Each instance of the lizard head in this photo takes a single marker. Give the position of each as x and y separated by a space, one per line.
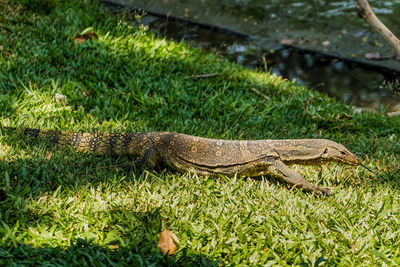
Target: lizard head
338 153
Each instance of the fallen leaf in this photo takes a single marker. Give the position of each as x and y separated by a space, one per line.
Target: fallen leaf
287 41
84 37
168 242
86 93
375 55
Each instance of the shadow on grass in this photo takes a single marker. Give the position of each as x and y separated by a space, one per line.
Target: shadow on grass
48 172
84 253
141 251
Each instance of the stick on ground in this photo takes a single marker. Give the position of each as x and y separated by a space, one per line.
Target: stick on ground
259 93
201 76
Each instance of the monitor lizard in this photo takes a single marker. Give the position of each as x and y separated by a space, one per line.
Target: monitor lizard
187 153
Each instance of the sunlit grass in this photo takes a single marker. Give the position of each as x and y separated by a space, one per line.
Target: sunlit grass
67 208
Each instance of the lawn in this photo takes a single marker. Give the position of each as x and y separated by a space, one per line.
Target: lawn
68 208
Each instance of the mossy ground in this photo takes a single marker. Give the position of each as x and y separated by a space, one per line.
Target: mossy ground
67 208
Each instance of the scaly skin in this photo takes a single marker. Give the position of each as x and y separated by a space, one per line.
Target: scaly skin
206 156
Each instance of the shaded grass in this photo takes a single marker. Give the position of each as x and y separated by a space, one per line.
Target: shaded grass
64 208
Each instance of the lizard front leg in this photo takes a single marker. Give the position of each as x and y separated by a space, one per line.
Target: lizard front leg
280 170
149 158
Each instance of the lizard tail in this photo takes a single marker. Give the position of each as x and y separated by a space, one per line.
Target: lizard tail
114 144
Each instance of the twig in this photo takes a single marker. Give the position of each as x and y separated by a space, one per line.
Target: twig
259 93
201 76
365 11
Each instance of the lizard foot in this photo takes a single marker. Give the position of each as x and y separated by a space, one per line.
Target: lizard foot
324 191
280 170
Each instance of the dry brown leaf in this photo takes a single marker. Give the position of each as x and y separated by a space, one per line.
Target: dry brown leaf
376 55
84 37
168 242
326 43
287 41
86 93
79 39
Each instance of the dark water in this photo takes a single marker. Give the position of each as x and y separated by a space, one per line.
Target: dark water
346 81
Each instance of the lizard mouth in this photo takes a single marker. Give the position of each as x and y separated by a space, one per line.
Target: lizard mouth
352 161
329 159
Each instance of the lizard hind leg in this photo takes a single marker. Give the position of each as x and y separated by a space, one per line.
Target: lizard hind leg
280 170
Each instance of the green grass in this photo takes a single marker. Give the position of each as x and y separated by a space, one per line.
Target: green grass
67 208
